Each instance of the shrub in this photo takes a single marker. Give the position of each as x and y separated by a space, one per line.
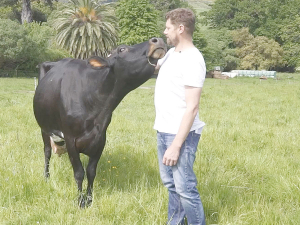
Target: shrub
25 46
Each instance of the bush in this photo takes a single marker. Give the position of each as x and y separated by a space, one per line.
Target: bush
12 43
25 46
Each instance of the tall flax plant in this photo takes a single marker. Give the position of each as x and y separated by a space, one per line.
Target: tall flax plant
86 28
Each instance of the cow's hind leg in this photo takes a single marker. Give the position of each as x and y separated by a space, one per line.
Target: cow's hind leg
47 152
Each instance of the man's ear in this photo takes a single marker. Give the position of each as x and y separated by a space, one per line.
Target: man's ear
181 28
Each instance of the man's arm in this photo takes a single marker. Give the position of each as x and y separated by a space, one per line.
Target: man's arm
192 97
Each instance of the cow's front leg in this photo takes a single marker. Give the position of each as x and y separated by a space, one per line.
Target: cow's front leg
78 171
79 176
47 152
91 174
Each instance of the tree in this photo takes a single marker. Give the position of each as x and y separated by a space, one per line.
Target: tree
222 14
41 45
199 39
48 2
137 20
257 52
11 42
26 15
39 11
25 46
262 17
291 38
219 50
167 5
268 18
86 28
4 3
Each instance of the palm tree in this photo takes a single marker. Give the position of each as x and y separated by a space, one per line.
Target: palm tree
86 28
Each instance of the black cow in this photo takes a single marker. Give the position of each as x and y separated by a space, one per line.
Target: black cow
74 101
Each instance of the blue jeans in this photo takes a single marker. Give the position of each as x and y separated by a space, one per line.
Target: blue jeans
184 198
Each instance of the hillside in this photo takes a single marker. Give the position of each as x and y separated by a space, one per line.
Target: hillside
201 5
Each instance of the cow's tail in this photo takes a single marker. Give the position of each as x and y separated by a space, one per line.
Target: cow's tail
44 68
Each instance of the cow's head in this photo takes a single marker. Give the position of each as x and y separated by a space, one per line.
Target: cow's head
134 63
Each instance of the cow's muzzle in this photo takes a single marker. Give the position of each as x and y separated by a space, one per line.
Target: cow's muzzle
157 48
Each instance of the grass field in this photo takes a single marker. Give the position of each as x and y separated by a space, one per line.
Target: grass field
247 164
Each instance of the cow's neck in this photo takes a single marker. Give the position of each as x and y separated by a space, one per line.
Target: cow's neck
102 120
119 91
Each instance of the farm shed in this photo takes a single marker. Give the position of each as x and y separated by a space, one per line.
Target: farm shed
255 73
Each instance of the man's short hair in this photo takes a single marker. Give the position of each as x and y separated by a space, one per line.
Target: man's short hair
182 16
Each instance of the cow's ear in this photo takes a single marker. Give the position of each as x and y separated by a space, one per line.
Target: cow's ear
97 62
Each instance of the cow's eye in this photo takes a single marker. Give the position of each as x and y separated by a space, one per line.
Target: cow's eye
122 49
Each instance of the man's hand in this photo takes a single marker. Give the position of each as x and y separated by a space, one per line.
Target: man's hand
171 156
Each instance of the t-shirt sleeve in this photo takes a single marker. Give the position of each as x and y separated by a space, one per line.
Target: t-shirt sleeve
194 71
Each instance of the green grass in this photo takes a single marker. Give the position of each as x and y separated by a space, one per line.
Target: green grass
247 164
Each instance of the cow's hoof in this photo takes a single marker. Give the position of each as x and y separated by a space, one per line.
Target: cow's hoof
81 201
89 200
46 175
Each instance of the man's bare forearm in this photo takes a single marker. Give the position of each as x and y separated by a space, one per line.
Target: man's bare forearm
185 126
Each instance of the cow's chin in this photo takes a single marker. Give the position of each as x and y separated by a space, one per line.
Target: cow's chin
158 53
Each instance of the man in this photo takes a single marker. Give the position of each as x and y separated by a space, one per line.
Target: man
177 95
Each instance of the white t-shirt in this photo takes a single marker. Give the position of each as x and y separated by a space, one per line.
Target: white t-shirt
178 69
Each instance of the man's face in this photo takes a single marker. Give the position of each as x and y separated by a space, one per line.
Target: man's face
171 33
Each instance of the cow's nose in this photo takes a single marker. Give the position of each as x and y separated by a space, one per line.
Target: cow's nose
153 40
156 41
